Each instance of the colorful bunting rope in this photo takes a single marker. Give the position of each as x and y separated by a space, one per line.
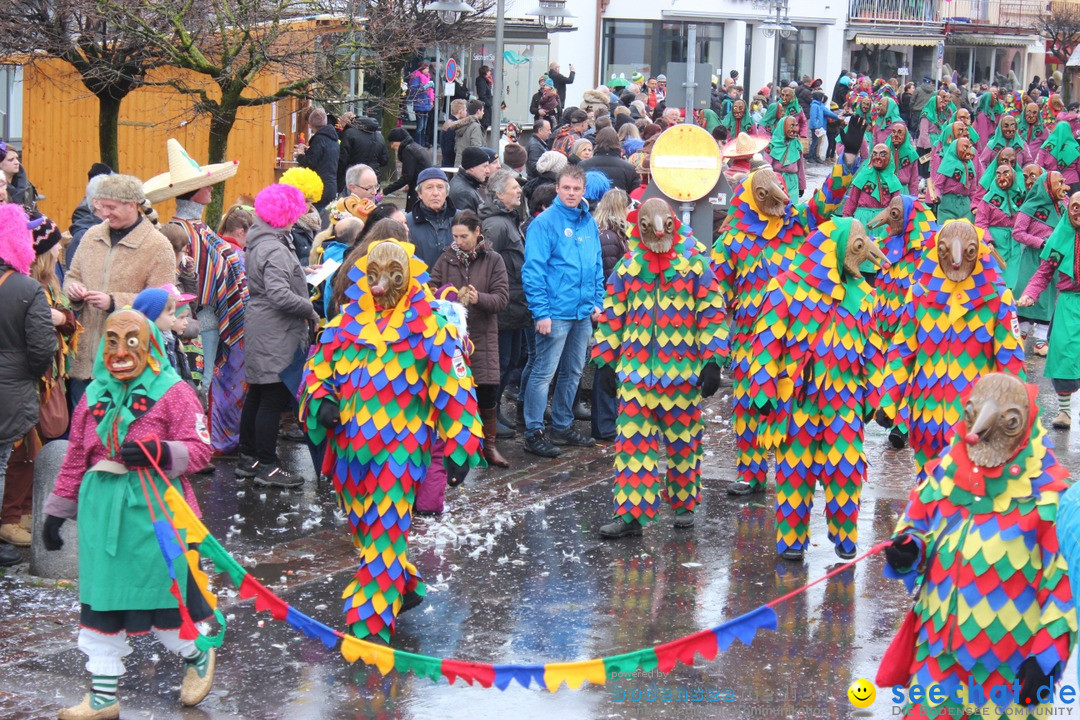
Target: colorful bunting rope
664 657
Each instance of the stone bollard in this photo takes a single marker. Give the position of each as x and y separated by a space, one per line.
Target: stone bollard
64 563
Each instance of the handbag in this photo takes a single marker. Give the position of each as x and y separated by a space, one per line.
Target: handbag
895 667
54 418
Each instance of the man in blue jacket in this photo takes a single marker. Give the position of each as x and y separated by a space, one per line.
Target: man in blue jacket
819 114
563 278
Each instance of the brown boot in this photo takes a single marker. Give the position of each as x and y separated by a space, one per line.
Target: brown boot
491 453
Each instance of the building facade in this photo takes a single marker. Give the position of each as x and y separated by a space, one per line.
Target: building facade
620 37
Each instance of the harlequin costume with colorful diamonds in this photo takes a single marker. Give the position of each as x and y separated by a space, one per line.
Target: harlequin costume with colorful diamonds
995 593
752 249
904 251
814 362
663 320
951 333
399 381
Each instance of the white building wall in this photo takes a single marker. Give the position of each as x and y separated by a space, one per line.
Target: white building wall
582 46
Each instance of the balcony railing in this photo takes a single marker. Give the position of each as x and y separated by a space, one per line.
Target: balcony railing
1018 14
900 12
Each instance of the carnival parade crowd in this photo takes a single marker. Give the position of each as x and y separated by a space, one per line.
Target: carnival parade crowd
542 291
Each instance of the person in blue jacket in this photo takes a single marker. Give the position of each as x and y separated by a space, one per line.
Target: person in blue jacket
563 277
819 114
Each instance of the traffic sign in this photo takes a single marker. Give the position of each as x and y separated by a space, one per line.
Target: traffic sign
451 69
685 162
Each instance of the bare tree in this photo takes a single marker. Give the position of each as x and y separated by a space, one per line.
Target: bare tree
1061 28
396 32
237 45
85 34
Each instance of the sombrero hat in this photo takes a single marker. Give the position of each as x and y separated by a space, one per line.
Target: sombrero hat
744 145
185 175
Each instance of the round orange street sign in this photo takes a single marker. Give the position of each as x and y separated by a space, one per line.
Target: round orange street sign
685 162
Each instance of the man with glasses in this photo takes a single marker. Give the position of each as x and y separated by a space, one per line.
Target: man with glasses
362 182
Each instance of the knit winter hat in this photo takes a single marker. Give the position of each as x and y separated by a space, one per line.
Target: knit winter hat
280 206
98 168
151 302
398 135
16 241
515 156
431 173
121 188
46 235
473 157
551 161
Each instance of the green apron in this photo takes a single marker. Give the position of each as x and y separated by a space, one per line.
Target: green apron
954 206
120 562
791 182
1009 250
1026 265
1063 356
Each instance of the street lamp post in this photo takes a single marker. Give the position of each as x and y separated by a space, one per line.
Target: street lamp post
448 12
781 26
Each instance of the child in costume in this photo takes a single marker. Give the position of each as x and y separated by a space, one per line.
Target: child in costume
386 378
1059 261
814 362
660 340
786 157
995 606
136 412
763 232
1035 222
958 324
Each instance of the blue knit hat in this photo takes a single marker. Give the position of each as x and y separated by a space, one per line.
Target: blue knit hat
151 302
431 173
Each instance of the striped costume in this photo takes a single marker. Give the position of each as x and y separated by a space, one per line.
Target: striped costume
950 334
813 362
995 590
751 250
663 320
400 381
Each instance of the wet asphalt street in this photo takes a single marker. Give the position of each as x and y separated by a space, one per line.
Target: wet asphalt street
516 574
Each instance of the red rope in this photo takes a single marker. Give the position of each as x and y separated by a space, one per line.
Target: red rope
872 551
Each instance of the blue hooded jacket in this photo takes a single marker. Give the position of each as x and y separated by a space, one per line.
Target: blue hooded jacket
563 273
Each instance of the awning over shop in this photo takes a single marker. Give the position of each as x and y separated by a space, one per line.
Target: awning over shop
916 40
999 40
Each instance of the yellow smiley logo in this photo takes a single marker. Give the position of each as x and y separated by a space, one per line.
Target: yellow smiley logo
862 693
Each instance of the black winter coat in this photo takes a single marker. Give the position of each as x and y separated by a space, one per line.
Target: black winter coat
413 159
623 174
322 157
372 149
612 248
502 231
27 345
348 153
429 231
467 192
547 178
535 147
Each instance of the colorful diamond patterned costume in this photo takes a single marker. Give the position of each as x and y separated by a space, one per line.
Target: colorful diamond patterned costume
752 249
813 364
905 254
663 320
995 590
950 334
400 381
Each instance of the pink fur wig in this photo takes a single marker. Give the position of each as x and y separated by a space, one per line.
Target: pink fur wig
16 240
280 205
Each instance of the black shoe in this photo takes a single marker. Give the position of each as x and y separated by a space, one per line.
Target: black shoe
503 429
846 554
581 412
208 470
793 554
538 444
292 433
744 488
571 436
245 466
9 555
618 528
271 476
898 438
411 600
684 521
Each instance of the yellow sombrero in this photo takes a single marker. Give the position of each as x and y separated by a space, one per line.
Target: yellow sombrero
185 175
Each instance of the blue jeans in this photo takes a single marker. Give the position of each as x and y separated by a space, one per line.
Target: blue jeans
510 343
211 338
562 349
423 138
530 361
